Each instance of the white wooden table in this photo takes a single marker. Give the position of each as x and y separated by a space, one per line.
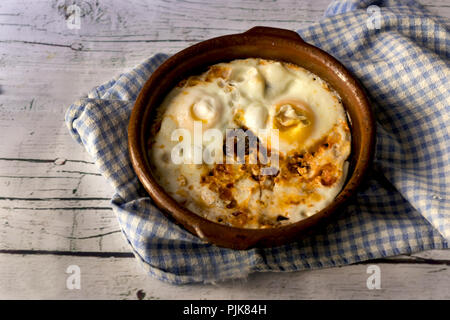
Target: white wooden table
54 209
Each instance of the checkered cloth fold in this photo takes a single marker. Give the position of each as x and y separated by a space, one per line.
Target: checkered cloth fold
400 53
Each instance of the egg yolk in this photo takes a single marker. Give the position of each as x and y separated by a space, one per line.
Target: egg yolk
294 120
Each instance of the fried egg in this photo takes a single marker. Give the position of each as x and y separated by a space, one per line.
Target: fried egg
256 95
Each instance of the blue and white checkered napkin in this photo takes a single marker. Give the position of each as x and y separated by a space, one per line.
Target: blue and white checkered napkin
401 56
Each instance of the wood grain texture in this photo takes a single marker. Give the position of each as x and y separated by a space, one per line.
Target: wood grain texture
54 204
44 277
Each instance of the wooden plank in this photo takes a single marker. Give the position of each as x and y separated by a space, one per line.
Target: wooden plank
68 230
170 20
51 178
44 277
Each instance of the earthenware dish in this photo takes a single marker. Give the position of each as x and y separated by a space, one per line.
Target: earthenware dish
258 42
